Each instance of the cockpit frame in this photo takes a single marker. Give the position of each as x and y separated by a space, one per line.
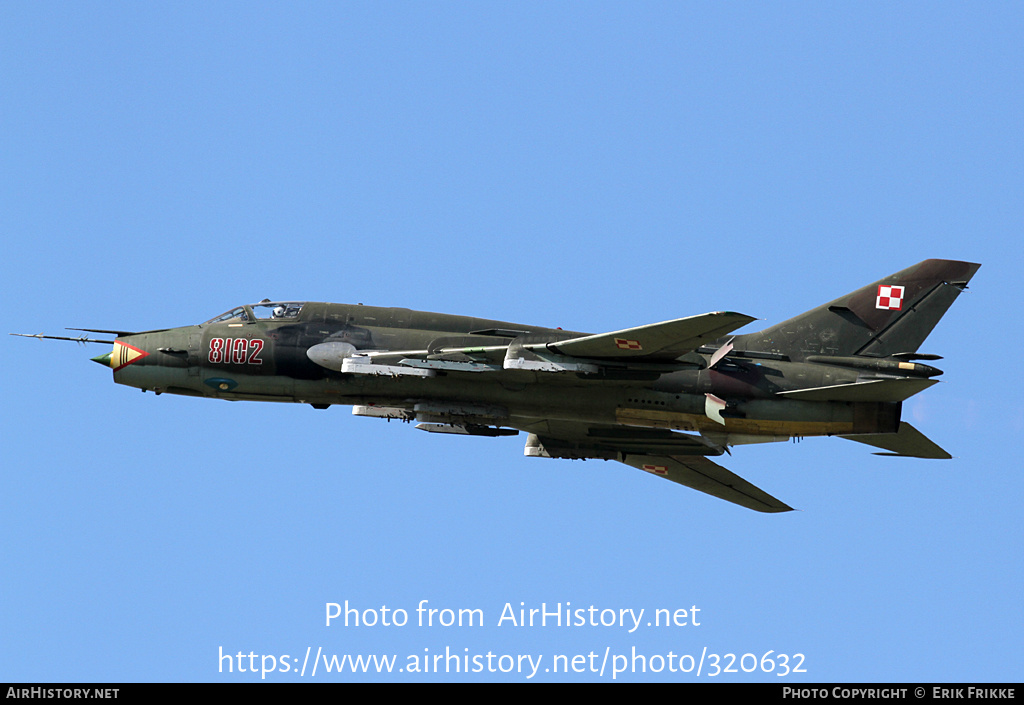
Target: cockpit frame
263 311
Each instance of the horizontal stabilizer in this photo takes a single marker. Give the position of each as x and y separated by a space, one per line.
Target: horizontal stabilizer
875 390
908 442
657 341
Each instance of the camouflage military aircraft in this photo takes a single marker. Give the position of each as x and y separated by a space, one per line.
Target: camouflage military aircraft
661 397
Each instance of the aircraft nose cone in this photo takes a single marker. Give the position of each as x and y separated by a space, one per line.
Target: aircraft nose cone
122 355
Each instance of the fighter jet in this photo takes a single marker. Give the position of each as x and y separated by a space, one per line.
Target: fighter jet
662 398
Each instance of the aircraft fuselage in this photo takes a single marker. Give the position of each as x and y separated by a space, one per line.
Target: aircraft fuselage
267 360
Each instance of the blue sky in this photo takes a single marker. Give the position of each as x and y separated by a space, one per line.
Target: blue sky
586 165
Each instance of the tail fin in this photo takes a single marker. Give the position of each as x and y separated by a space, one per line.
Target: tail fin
893 315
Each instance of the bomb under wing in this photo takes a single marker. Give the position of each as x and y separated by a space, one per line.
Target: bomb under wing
662 398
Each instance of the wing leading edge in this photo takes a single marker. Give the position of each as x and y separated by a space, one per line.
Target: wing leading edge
657 341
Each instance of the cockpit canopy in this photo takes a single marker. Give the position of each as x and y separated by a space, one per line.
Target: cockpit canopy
263 311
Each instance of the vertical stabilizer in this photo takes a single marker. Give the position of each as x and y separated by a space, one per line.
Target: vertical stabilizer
892 315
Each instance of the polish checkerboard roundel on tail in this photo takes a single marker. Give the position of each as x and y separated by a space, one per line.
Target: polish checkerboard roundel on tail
890 297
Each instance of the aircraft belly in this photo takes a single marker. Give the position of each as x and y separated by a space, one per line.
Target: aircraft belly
223 384
596 402
570 398
695 423
770 418
159 378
